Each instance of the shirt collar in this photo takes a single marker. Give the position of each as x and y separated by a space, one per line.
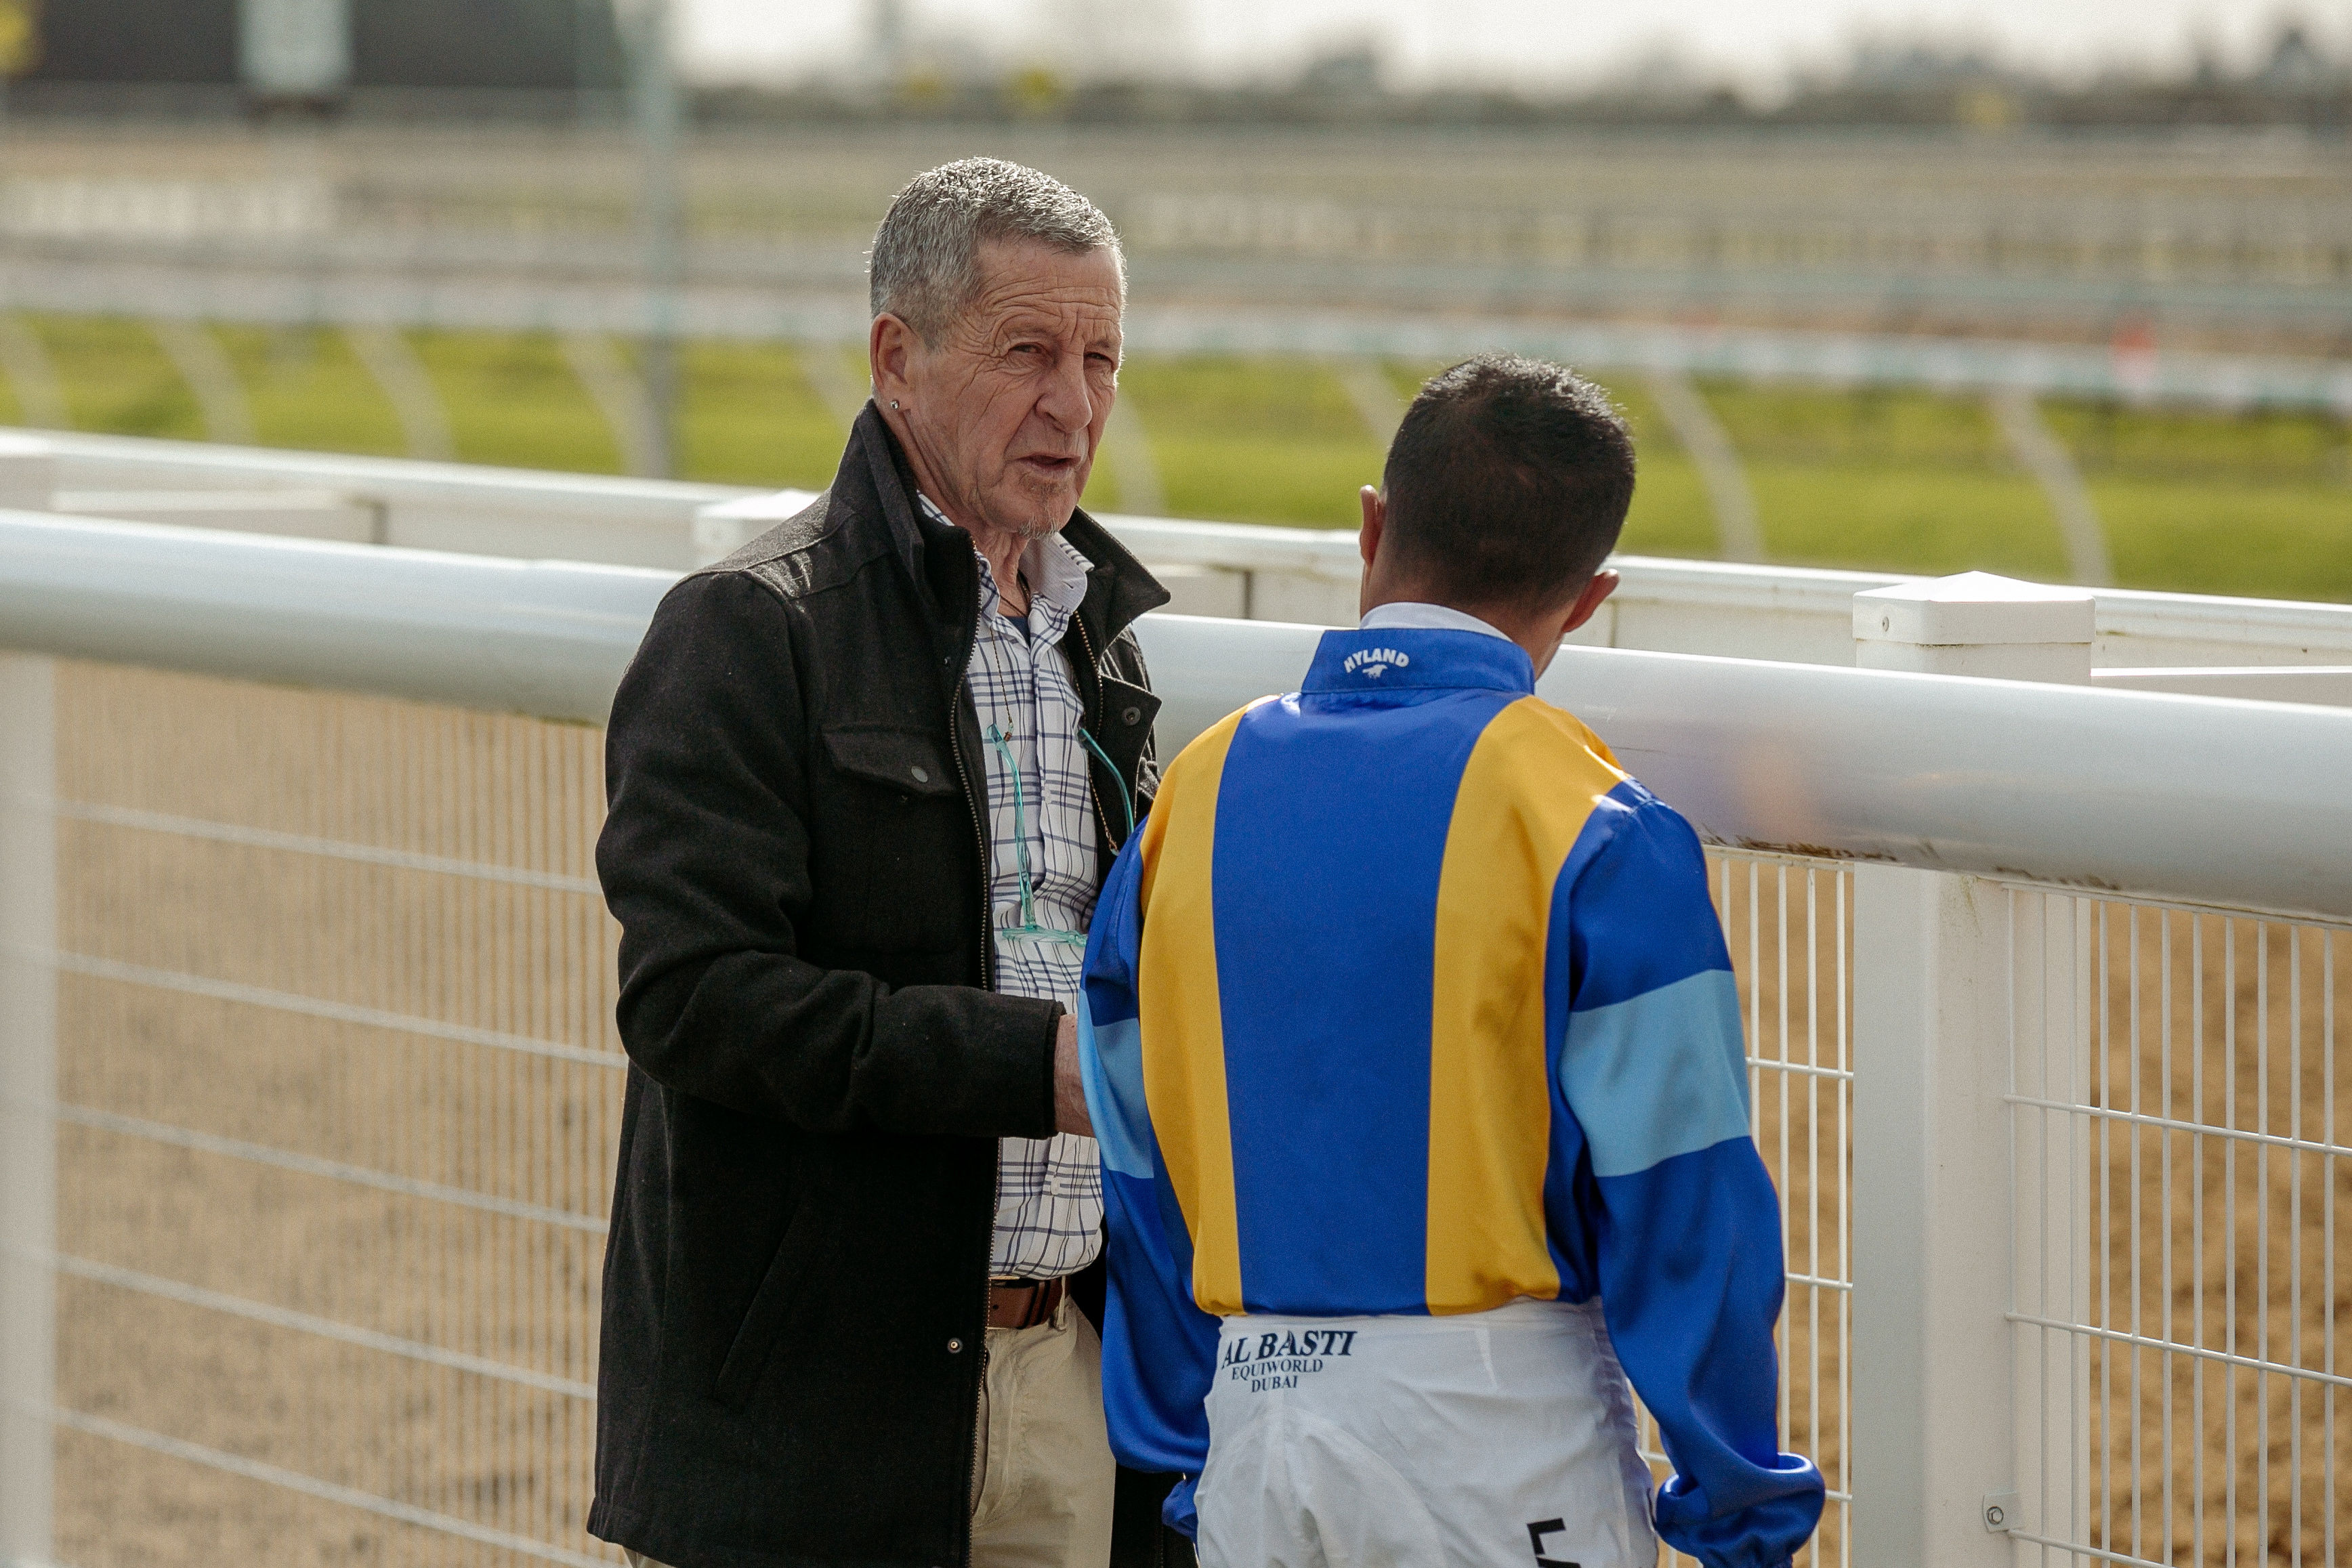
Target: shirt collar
1367 662
1406 613
1056 570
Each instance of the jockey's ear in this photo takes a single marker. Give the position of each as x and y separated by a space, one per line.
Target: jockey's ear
1368 542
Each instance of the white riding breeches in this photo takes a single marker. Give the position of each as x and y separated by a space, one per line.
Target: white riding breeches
1498 1440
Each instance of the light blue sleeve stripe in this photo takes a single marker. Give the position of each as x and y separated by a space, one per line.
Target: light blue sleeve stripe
1111 1061
1658 1075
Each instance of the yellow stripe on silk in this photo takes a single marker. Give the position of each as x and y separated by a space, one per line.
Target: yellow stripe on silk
1532 782
1184 1030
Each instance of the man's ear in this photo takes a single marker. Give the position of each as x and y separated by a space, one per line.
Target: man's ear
1368 542
1587 604
889 345
1550 634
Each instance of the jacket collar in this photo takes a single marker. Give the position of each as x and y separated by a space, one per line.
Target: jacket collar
1361 663
1119 588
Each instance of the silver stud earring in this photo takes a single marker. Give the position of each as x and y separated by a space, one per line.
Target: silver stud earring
894 402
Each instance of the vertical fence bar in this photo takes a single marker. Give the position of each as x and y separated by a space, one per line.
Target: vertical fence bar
28 1092
2167 1272
2051 963
2230 1237
2069 1019
1845 1224
2138 1318
1786 1172
1933 1435
2294 1239
2198 1233
2256 1230
1813 1176
2104 1141
2040 1226
2327 1234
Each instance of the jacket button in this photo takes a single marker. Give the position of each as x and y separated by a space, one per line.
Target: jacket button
922 775
1133 716
955 1347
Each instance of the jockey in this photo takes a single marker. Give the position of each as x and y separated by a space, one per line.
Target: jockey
1413 1047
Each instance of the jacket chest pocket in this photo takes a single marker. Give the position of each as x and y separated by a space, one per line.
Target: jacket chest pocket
911 762
892 847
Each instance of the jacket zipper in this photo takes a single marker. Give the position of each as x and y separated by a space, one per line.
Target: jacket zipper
997 1156
980 837
1093 790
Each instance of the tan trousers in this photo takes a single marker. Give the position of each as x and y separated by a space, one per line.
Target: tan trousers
1042 1492
1042 1489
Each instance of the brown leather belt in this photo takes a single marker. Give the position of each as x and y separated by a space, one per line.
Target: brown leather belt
1024 1303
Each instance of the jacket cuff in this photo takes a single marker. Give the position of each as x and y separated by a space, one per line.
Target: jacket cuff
1013 1060
1053 1037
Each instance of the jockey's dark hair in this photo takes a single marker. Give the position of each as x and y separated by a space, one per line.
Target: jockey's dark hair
1508 483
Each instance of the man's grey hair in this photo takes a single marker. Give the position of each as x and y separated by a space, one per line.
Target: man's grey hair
924 268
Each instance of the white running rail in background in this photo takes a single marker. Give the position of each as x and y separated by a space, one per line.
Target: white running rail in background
260 293
2173 641
312 1085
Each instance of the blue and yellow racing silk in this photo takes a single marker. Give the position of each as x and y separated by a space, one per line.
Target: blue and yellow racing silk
1406 998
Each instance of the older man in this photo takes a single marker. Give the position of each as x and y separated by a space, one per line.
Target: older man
865 775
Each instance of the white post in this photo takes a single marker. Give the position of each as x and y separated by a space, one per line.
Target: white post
1976 625
1932 1410
1936 958
28 1092
661 217
294 51
722 528
28 474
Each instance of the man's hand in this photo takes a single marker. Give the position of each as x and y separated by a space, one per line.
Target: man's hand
1069 1089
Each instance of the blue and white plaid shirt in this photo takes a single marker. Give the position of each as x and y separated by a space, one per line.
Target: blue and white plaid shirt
1049 1206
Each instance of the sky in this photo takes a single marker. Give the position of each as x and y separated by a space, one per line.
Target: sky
1526 42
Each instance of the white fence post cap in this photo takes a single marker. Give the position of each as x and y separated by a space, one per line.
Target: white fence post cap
29 470
722 528
1972 609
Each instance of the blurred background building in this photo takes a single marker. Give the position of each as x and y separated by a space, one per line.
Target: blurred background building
96 56
1918 300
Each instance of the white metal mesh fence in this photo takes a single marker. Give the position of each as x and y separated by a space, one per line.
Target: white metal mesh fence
337 1092
336 1097
1789 923
2183 1181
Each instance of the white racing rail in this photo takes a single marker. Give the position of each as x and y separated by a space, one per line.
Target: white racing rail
1227 569
2233 803
1974 920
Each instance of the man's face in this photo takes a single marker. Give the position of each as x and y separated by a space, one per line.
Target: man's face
1007 411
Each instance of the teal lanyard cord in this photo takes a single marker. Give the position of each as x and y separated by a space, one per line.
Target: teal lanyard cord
1126 800
1028 930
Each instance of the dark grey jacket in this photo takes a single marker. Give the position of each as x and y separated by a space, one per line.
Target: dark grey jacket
796 1286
